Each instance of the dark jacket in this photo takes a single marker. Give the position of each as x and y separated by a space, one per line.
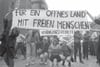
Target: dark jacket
8 41
3 45
77 38
44 47
11 45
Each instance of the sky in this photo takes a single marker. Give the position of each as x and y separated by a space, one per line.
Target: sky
92 6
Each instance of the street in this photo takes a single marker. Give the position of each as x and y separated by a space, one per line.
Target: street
87 63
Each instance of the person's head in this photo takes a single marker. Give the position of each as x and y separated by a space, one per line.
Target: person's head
55 40
45 39
14 31
77 31
39 4
12 6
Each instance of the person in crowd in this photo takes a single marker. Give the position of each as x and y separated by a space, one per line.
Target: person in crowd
67 53
39 46
10 54
34 4
91 47
98 50
20 45
30 47
39 4
8 44
37 41
94 38
9 38
55 51
96 43
85 44
44 50
77 45
97 21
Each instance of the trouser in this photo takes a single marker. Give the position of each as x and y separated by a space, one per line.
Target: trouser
57 57
30 52
77 48
9 61
21 46
44 57
92 51
85 50
69 59
98 57
95 47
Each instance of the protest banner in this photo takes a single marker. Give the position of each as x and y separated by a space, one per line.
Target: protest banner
50 22
50 19
56 32
69 39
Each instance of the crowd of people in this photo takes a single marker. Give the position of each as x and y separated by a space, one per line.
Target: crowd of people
44 47
51 47
32 45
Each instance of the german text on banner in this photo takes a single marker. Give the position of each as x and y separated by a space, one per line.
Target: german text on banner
50 19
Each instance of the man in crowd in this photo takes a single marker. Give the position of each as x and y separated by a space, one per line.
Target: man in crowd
97 21
55 51
30 47
85 45
98 51
35 4
20 45
9 38
77 45
44 50
93 44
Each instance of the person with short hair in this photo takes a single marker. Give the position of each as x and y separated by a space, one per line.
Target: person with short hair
55 51
86 45
8 44
20 45
77 45
30 47
44 50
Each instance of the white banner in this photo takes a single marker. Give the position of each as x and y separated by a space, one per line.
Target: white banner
56 32
50 19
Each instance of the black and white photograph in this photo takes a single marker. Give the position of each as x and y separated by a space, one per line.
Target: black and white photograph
49 33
